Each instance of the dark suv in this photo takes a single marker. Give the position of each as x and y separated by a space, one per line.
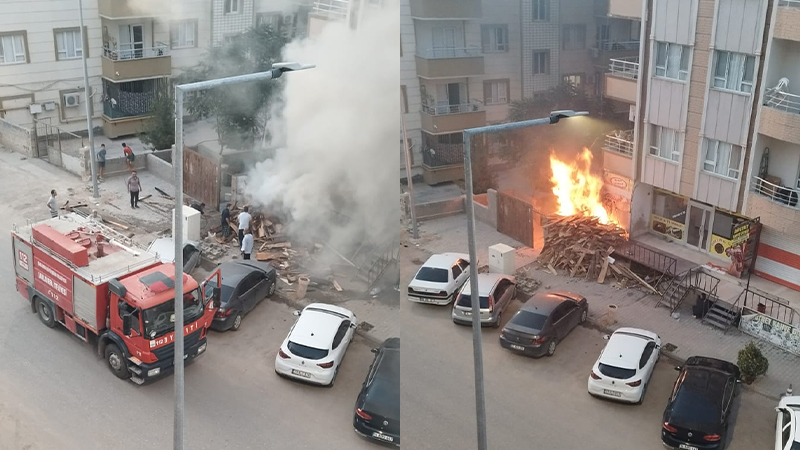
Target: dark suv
696 417
377 411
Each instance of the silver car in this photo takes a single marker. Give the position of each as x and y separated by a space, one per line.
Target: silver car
496 292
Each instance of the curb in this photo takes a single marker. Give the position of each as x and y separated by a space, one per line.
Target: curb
592 323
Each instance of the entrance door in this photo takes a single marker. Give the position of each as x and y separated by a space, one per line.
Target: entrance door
699 226
131 41
444 42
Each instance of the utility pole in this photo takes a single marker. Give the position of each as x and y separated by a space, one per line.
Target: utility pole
87 90
409 175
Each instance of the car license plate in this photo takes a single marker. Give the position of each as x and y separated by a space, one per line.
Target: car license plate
612 393
301 373
517 347
687 447
427 300
382 437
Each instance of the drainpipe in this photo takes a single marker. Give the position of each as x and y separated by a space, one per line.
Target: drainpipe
646 121
637 132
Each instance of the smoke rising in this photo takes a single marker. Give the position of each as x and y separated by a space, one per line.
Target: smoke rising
335 133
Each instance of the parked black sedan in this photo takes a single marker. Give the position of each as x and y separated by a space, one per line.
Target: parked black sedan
244 284
696 417
377 411
542 322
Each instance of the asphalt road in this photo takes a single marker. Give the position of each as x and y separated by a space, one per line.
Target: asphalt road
55 393
531 403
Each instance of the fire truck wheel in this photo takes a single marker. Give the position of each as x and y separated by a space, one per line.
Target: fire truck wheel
116 362
237 322
45 313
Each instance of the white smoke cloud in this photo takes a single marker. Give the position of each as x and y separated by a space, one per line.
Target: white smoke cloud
336 131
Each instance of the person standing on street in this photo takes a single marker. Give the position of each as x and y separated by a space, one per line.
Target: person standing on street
247 243
101 162
226 226
51 203
129 157
244 222
134 187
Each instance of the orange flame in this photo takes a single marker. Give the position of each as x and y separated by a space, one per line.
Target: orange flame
577 189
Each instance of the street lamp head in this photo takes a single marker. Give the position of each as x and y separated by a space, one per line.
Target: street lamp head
279 68
555 116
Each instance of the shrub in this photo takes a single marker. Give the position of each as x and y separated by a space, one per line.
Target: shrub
752 362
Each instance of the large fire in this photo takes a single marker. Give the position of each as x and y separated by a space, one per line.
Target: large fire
577 189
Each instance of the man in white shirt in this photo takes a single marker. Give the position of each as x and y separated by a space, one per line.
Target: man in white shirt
51 203
244 222
247 244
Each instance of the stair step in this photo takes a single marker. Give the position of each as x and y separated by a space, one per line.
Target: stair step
135 369
137 380
723 312
715 322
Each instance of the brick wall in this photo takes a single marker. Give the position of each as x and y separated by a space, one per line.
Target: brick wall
774 215
787 25
19 139
780 125
539 36
230 24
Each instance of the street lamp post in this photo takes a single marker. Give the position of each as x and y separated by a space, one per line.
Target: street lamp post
477 350
409 175
277 70
87 91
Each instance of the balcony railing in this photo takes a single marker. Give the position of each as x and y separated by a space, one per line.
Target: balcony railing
790 3
441 110
625 67
449 52
335 9
124 54
617 46
620 142
783 101
778 194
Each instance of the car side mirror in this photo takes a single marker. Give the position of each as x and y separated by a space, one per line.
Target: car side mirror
352 325
678 368
126 325
216 297
375 350
777 409
297 313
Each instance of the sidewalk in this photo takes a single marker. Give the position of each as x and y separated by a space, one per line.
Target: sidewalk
635 308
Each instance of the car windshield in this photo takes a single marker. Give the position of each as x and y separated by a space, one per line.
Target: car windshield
306 352
225 292
529 319
466 301
432 274
160 319
616 372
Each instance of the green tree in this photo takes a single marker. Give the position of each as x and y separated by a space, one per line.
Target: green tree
237 109
752 363
158 131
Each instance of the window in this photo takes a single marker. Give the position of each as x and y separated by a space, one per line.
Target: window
463 264
494 38
272 20
182 34
405 98
541 10
232 6
456 271
734 71
665 143
558 313
797 185
541 62
340 333
672 61
227 39
648 351
495 92
722 158
573 37
12 48
575 80
68 44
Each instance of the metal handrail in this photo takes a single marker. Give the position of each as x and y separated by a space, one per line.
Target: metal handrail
335 8
621 145
443 110
773 307
609 45
779 194
624 67
449 52
783 101
136 53
790 3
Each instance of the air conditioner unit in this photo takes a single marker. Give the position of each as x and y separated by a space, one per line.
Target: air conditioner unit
72 100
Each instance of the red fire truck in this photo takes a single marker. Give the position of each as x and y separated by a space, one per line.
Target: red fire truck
101 287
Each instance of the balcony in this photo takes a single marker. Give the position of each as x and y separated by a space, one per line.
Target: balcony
449 62
137 63
629 9
621 79
618 153
452 118
119 9
331 9
776 205
783 195
605 50
446 9
780 118
788 17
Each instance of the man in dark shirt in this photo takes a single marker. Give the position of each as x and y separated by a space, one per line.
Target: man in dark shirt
226 227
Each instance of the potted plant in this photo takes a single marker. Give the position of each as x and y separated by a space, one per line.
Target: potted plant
752 363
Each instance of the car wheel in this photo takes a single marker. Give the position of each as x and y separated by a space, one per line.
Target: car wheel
237 322
271 289
496 323
551 348
45 313
644 391
584 314
116 362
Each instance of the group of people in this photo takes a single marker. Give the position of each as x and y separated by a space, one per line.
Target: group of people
245 232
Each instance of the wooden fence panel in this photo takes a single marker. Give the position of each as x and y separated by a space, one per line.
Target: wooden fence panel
515 218
201 178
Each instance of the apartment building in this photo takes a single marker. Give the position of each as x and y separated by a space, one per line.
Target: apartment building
133 51
714 149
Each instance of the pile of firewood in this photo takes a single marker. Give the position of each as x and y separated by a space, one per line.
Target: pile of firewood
582 246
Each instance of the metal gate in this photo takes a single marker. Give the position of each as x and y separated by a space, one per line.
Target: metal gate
779 257
201 178
515 218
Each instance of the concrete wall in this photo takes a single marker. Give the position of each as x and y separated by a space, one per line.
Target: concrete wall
17 138
487 213
440 209
160 167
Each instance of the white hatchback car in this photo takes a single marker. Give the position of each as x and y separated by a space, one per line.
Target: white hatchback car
315 346
787 430
439 279
625 365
